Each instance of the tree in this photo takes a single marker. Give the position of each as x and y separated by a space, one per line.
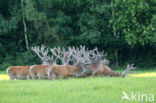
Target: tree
135 21
25 27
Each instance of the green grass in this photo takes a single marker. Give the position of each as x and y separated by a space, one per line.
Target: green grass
81 90
3 72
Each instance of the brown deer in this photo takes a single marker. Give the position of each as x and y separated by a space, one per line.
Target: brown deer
23 72
99 66
40 71
19 72
76 70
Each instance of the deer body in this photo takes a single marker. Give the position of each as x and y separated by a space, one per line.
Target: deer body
39 71
19 72
65 71
99 68
103 70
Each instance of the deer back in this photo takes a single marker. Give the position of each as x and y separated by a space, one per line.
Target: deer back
20 70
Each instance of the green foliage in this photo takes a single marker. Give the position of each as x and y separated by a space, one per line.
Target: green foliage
135 19
79 22
22 58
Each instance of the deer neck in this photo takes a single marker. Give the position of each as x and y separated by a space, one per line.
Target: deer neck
96 64
78 69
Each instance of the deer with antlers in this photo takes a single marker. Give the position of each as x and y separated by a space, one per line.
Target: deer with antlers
75 70
99 65
41 71
23 72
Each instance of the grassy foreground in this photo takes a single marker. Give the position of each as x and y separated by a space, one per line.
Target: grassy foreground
81 90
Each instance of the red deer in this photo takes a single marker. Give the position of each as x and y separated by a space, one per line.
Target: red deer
23 72
76 70
99 66
19 72
43 55
40 71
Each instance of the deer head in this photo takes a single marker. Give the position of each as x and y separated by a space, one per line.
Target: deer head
83 60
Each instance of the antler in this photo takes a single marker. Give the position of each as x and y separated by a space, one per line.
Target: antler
52 60
82 55
63 55
128 69
97 56
42 53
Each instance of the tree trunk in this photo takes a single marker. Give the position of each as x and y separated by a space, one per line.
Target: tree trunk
114 33
25 27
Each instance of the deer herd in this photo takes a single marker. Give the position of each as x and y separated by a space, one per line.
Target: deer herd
66 63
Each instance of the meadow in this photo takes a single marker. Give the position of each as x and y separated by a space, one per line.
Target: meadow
77 90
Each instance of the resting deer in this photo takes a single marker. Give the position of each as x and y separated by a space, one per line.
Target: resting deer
99 66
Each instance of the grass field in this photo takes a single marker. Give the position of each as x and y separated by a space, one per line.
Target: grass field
80 90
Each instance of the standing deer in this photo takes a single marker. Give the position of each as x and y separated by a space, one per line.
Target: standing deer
23 72
76 70
19 72
40 71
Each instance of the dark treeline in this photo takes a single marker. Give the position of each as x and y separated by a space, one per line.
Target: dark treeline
125 29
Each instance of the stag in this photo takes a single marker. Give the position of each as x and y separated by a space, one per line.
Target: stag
23 72
40 71
99 65
43 55
63 55
75 70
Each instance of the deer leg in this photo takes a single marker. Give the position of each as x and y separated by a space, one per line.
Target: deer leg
28 77
93 74
12 76
34 77
53 76
39 76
